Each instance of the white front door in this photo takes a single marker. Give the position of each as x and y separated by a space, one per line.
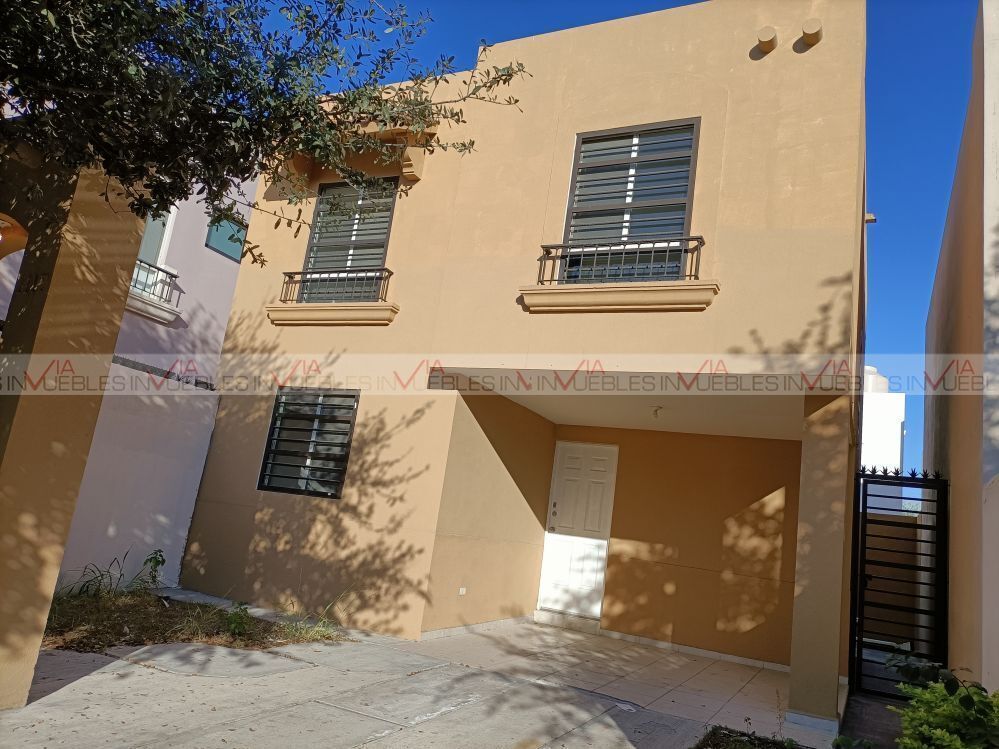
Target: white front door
579 519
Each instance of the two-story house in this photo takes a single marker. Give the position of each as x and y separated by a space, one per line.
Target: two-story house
551 380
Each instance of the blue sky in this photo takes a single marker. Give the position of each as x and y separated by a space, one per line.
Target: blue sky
916 100
918 75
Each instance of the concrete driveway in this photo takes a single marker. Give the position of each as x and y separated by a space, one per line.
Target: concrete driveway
517 685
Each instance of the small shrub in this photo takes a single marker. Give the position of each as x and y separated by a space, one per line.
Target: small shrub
96 581
944 717
944 711
238 620
100 582
151 566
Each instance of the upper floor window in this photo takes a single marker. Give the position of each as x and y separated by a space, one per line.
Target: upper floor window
156 239
630 209
345 260
308 443
226 238
150 278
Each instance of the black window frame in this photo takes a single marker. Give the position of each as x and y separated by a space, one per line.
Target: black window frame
634 130
377 275
271 437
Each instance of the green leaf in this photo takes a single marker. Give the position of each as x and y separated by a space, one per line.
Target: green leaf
951 685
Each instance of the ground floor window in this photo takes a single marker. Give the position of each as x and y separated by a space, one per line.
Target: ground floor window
308 442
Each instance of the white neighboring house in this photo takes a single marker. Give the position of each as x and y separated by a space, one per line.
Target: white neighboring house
883 433
158 412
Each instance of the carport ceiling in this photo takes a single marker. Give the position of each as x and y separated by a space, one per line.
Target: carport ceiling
764 416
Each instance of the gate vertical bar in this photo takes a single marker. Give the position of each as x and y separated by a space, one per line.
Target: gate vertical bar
852 675
861 584
943 571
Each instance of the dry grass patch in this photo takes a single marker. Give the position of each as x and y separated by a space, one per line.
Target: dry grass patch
720 737
92 624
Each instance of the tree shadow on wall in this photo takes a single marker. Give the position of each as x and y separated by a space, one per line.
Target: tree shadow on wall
33 528
738 600
828 332
990 455
153 498
354 558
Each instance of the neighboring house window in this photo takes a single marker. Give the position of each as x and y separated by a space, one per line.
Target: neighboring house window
227 238
153 239
631 200
309 441
151 278
346 256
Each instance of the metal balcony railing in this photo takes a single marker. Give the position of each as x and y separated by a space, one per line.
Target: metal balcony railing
645 259
155 283
367 285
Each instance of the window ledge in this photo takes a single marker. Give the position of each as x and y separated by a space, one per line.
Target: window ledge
335 313
154 309
655 296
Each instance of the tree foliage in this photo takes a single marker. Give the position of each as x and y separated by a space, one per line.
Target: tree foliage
175 97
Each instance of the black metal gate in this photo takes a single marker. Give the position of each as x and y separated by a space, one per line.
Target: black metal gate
899 592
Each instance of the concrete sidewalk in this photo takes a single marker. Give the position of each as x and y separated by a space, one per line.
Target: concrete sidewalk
375 691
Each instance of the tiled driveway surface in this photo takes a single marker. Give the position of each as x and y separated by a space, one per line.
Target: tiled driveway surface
521 685
697 688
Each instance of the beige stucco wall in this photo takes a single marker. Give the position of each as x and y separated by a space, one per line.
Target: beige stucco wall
990 458
826 486
368 553
494 505
702 540
81 247
778 191
960 324
702 543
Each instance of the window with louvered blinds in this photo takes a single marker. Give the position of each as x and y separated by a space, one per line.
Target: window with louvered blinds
632 186
630 205
345 260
